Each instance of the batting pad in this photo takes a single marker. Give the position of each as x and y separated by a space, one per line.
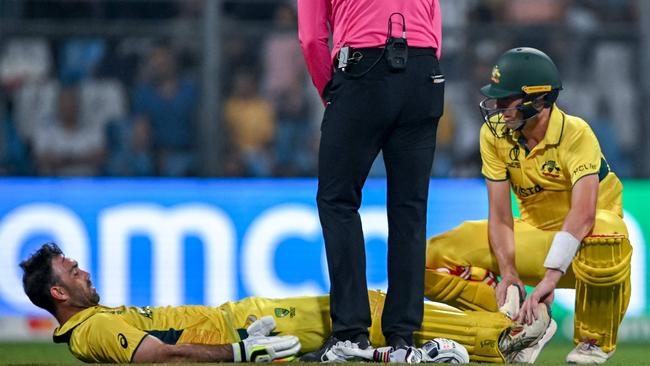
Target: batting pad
602 271
458 292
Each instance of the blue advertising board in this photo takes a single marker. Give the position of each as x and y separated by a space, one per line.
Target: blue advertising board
154 242
207 241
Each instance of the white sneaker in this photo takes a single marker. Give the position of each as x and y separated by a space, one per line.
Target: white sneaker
337 353
588 352
513 302
521 336
347 351
529 355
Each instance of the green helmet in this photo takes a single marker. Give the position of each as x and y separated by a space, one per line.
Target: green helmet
522 70
525 72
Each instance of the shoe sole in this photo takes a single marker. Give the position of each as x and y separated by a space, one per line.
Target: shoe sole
597 362
548 334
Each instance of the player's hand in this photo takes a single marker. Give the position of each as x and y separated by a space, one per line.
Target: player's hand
543 292
502 287
265 349
261 327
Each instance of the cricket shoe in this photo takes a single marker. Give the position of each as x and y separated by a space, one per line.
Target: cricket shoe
521 336
588 352
329 351
530 354
351 352
510 308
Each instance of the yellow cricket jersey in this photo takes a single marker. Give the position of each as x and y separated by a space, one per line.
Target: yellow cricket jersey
103 334
112 335
542 178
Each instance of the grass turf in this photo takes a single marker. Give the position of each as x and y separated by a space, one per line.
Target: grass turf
49 353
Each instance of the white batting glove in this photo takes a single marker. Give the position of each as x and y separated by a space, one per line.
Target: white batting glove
261 327
265 349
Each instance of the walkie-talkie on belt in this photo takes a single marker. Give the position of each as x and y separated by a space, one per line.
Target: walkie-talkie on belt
396 48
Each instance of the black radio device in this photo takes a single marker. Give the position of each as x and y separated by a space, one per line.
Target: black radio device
396 50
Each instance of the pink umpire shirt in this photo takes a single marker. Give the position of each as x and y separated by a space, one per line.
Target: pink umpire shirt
361 24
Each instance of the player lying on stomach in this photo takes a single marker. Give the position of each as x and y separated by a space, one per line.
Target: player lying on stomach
240 331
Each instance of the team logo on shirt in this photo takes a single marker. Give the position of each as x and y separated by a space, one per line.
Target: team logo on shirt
496 75
550 169
282 312
146 312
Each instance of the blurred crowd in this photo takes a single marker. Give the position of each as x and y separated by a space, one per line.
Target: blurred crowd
92 104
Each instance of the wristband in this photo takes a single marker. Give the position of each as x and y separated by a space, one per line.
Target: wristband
239 352
563 249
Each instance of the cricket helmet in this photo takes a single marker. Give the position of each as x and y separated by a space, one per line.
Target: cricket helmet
520 72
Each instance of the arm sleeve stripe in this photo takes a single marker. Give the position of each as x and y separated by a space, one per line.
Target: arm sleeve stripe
494 180
604 169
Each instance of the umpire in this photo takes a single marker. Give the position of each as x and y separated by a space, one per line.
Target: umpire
383 91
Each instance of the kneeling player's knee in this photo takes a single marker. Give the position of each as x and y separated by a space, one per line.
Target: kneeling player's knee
448 250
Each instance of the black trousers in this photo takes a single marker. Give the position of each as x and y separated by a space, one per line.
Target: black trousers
397 113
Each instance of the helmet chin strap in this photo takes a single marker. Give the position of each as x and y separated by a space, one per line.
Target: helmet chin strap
528 110
522 122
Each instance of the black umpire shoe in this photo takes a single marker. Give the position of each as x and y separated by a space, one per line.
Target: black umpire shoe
397 342
317 356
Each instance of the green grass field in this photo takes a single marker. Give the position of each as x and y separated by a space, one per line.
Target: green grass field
553 354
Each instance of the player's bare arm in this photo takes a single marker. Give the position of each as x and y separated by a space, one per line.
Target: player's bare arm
578 223
582 215
501 235
154 350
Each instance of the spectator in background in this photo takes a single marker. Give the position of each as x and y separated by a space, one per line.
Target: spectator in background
164 107
128 146
282 58
538 21
15 156
249 10
250 121
283 85
295 137
66 146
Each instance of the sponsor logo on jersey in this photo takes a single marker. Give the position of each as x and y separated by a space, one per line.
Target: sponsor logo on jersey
526 191
550 169
122 339
585 167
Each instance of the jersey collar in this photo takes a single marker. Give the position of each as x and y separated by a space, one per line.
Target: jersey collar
554 131
62 332
555 128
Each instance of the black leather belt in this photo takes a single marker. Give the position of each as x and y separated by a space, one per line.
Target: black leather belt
376 52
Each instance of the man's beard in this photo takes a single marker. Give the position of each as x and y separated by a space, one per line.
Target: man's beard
95 298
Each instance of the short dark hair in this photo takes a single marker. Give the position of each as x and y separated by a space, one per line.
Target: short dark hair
38 277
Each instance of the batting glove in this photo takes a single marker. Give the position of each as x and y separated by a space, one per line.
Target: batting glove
265 349
261 327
